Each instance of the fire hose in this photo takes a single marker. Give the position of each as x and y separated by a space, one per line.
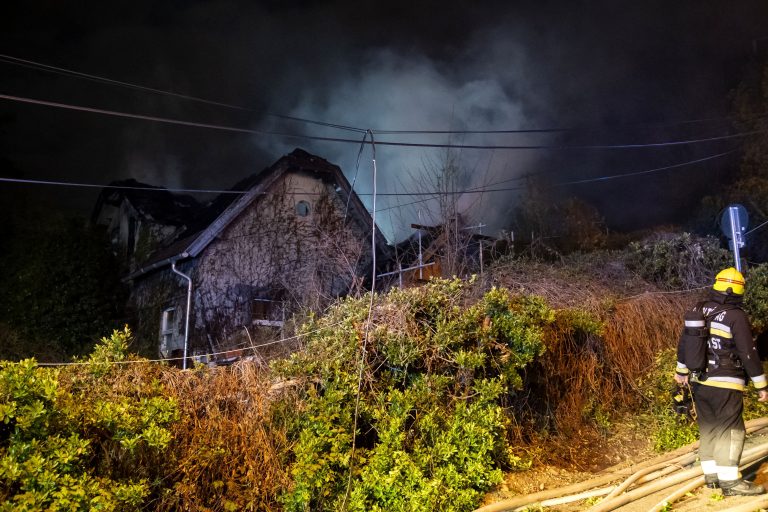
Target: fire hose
648 477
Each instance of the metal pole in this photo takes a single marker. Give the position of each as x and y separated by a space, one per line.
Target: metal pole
421 273
481 256
736 235
480 232
189 308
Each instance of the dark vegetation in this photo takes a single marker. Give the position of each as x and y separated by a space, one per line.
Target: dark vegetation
423 405
59 287
410 400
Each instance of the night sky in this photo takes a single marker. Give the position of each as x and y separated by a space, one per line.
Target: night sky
612 72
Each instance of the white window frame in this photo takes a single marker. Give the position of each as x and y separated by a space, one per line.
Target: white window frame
167 329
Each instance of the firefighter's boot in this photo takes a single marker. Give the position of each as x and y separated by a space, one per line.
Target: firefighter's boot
740 488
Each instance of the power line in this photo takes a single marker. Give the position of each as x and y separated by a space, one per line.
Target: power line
168 359
167 120
577 182
566 130
475 190
77 74
638 173
119 187
69 72
364 347
756 228
215 191
319 123
380 143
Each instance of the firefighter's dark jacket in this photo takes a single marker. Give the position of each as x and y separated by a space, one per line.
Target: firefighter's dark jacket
732 355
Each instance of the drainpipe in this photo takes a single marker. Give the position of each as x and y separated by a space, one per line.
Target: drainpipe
189 307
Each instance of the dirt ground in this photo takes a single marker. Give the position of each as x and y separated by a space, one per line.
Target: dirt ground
628 446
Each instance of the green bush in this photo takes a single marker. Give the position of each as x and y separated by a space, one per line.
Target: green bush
430 432
61 288
76 439
752 408
756 297
668 429
677 261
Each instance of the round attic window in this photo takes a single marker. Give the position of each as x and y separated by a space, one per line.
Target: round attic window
302 208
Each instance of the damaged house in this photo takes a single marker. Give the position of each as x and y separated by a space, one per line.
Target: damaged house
293 237
139 218
448 249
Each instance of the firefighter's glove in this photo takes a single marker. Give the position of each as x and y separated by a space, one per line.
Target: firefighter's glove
681 400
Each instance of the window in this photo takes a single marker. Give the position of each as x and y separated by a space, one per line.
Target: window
267 312
167 330
302 209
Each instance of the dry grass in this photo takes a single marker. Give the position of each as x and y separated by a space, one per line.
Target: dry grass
228 445
585 283
230 442
639 328
583 380
600 373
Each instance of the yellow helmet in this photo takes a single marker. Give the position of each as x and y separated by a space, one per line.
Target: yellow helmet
729 278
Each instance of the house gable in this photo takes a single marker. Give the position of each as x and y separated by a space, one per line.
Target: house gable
291 244
297 163
296 238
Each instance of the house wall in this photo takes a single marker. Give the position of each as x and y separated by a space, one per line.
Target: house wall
270 251
273 252
151 295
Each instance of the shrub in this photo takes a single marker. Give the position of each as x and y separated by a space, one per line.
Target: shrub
677 261
81 438
668 429
430 430
756 297
229 445
61 288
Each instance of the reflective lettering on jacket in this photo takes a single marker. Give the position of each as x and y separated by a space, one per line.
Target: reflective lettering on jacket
731 352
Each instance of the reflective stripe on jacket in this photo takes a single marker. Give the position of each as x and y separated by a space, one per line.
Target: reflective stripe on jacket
731 355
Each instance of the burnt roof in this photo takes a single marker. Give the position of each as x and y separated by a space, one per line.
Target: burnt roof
155 203
227 207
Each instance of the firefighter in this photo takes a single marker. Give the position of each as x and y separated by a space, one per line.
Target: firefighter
718 388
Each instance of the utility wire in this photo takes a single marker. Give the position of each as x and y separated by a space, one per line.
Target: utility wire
215 191
366 331
120 187
756 228
168 359
568 130
475 190
283 340
639 173
72 73
354 177
319 123
566 183
68 72
242 192
380 143
166 120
